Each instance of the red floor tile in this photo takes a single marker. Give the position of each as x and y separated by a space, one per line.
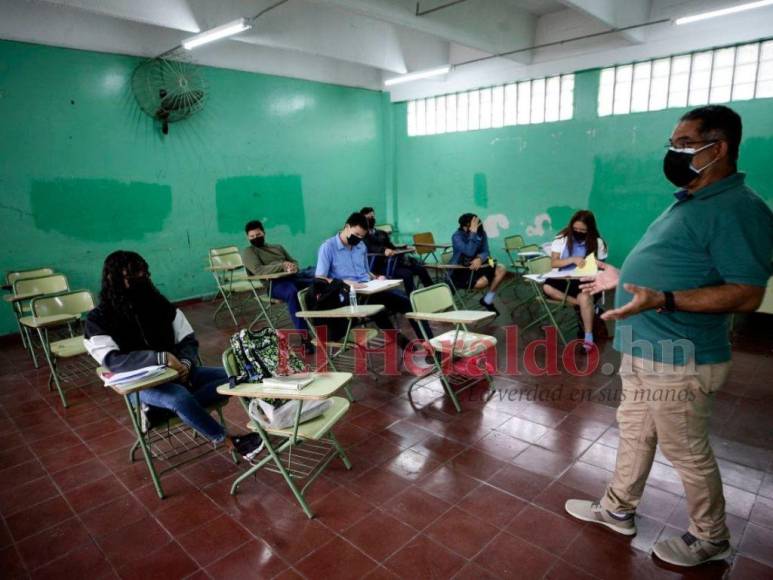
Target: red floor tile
195 511
27 495
168 561
251 560
11 563
448 484
52 543
510 557
461 532
416 508
95 493
121 512
549 531
520 482
122 546
38 517
758 544
379 535
423 558
377 485
212 541
336 559
543 461
84 562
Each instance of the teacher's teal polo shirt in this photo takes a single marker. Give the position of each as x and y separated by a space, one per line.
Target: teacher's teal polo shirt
721 234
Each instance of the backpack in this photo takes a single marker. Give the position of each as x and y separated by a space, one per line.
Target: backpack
261 354
324 295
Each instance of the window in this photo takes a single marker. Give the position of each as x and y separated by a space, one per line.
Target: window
734 73
537 101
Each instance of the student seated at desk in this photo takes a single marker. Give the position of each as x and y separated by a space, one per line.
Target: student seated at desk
470 248
578 239
379 242
344 257
135 326
262 258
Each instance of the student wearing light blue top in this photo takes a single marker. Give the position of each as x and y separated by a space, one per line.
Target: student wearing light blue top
572 245
345 257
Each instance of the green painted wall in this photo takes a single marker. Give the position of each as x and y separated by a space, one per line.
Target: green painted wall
611 165
83 172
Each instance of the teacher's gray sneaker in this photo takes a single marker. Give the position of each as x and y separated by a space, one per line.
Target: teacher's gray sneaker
589 511
691 551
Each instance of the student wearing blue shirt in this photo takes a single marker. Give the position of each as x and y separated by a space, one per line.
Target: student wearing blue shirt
470 248
345 257
572 244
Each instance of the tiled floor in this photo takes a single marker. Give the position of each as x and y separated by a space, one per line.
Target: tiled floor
432 494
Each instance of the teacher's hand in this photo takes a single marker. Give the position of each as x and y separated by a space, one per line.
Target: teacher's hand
643 299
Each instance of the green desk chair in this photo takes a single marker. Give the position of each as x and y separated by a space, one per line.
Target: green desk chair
302 451
66 356
339 354
11 277
436 304
549 307
24 290
230 276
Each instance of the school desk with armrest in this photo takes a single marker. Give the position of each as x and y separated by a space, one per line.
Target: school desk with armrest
304 450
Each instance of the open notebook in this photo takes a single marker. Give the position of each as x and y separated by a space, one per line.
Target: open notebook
590 269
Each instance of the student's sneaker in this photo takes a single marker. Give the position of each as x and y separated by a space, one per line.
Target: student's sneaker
489 307
589 511
688 550
248 446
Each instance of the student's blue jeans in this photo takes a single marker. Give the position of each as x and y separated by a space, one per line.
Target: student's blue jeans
287 291
189 403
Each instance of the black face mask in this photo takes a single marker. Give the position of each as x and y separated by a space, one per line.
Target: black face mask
353 240
677 165
140 289
371 223
258 242
580 236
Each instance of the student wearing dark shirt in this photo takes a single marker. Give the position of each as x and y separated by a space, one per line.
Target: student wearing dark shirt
406 267
135 326
470 249
262 258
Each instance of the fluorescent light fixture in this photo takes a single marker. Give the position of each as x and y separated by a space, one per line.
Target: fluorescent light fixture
422 74
723 12
217 33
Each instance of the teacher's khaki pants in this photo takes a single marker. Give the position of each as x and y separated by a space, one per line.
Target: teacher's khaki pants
670 406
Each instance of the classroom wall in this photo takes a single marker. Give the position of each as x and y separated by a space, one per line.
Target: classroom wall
83 172
530 179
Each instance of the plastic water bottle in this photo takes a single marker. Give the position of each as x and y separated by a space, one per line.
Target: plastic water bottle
352 298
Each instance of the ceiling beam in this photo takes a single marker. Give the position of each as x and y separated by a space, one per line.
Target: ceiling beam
615 14
492 26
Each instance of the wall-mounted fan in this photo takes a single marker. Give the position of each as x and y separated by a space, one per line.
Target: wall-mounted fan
169 90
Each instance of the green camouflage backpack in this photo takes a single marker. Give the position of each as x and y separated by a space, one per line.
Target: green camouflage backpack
262 353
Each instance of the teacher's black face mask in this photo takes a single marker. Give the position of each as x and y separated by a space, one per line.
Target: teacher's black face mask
258 242
678 167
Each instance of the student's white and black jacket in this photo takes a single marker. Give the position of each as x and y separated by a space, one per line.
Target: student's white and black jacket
126 342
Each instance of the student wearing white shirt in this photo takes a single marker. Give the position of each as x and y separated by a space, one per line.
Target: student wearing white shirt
568 251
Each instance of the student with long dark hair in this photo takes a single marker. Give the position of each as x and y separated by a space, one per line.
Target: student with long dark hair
135 326
572 245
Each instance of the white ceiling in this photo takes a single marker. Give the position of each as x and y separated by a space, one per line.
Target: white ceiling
362 42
